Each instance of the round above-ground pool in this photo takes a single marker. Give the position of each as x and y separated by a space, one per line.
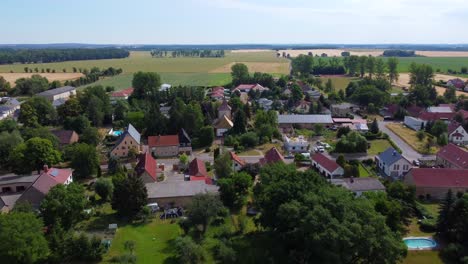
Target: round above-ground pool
419 243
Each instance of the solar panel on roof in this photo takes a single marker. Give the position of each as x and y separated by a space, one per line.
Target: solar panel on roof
54 173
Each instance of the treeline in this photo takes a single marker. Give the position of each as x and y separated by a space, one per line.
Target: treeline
188 53
9 56
399 53
93 75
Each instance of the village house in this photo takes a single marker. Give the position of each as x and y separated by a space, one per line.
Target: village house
360 186
287 123
66 137
217 93
295 144
246 88
359 125
31 188
434 183
392 164
170 145
451 156
197 171
457 134
343 109
130 139
329 168
222 125
302 107
458 83
58 95
265 104
169 194
147 168
272 156
237 163
224 110
8 107
121 95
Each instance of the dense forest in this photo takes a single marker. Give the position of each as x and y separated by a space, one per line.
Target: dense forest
399 53
8 56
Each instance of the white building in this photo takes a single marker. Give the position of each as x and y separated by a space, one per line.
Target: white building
392 163
414 123
295 144
457 134
164 87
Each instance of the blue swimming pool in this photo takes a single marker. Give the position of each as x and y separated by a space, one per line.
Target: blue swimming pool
419 243
117 133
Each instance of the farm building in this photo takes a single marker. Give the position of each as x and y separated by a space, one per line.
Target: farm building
177 193
329 168
360 185
288 122
61 94
451 156
434 183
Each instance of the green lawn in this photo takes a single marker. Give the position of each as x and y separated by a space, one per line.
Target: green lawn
377 146
363 172
152 241
124 81
422 257
339 83
409 136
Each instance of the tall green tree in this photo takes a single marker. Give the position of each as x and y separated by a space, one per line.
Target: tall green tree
392 65
84 160
64 205
240 123
145 84
33 155
380 68
8 142
203 209
129 197
22 238
37 110
223 166
370 65
239 73
31 86
233 190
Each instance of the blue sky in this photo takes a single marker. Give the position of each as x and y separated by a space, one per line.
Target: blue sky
233 21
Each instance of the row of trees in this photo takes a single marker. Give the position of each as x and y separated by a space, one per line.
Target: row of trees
188 53
9 56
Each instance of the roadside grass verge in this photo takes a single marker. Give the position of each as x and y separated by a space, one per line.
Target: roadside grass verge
409 136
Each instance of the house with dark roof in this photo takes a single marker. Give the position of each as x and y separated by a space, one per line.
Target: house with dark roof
64 92
147 168
434 183
360 185
434 116
451 156
329 168
185 143
343 109
237 162
457 134
66 137
130 139
31 188
287 122
272 156
392 164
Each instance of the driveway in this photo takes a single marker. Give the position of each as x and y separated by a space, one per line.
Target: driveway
408 152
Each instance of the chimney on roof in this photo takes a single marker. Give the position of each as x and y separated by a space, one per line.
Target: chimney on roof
45 168
394 153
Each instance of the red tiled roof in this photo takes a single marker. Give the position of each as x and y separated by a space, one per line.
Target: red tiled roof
436 116
328 164
163 141
272 156
49 179
454 155
148 164
245 86
123 93
414 110
207 180
236 158
427 177
66 136
197 168
217 89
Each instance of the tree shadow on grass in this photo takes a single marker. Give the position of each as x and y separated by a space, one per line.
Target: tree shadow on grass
169 249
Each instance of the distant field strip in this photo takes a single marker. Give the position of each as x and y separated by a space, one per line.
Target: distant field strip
271 67
12 77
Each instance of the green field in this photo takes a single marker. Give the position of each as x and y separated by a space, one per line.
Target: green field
339 83
377 146
142 61
422 257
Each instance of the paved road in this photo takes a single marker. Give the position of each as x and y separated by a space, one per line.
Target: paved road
408 152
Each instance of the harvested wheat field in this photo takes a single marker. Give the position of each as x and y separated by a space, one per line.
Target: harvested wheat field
271 67
250 50
404 78
61 76
442 53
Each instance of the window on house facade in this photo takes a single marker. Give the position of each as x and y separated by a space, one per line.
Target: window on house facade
405 167
396 167
20 188
6 189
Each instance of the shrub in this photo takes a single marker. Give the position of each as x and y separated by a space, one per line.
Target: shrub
249 139
428 225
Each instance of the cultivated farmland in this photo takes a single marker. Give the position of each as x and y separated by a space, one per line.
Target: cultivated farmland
12 77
